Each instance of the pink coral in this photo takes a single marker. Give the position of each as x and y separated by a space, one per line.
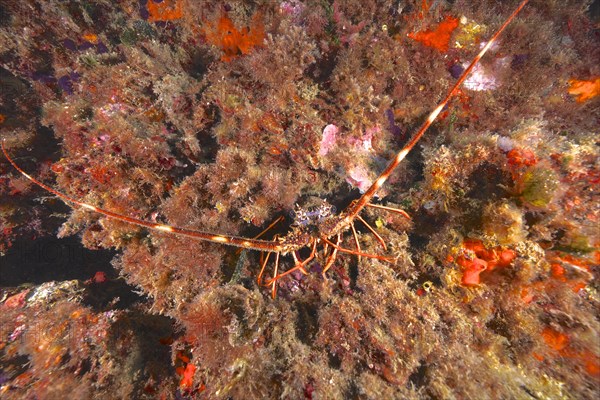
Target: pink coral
365 142
329 138
358 176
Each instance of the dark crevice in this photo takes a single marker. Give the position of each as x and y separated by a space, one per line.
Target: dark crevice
307 323
199 63
112 294
426 224
5 16
50 259
499 326
335 361
322 70
488 182
418 378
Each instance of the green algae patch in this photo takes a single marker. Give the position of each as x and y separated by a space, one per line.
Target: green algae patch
539 186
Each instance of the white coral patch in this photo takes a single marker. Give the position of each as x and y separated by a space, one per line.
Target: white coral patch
479 80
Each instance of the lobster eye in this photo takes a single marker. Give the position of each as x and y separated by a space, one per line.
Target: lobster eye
292 214
333 209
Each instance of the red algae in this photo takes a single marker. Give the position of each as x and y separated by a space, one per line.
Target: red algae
475 258
555 340
438 38
164 10
584 90
232 41
518 158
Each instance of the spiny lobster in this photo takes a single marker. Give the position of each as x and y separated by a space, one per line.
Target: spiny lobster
312 227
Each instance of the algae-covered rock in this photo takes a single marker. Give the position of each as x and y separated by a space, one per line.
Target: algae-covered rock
538 186
503 222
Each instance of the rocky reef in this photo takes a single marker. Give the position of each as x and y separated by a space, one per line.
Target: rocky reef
221 117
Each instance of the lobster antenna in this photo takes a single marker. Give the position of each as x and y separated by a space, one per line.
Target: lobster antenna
236 241
357 207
